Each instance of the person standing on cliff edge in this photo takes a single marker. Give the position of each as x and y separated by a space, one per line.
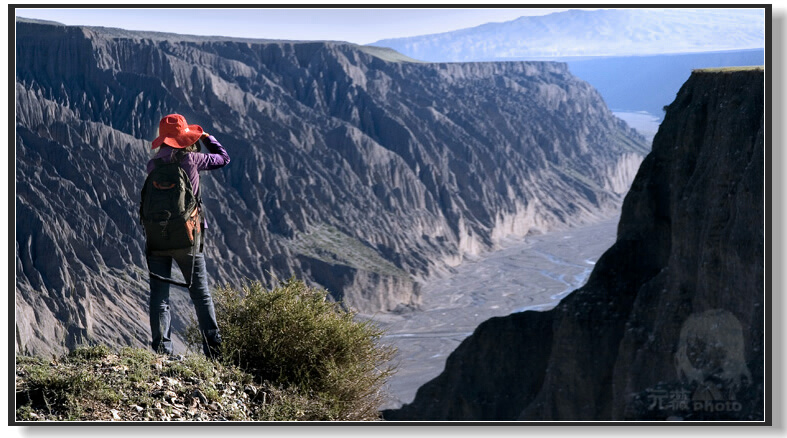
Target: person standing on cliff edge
178 142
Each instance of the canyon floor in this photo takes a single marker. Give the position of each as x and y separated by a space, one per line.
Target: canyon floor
531 273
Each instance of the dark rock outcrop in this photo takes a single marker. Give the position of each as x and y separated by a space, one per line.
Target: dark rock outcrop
351 167
670 322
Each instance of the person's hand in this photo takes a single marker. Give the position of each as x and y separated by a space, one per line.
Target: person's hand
204 135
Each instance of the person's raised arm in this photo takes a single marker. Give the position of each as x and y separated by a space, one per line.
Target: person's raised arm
216 157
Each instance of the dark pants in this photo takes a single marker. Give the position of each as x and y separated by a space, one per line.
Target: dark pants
161 264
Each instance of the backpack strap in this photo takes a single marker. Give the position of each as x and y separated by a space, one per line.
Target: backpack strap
179 155
170 280
201 215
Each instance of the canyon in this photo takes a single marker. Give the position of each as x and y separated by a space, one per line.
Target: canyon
355 168
671 323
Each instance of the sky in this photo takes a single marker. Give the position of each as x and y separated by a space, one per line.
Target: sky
355 25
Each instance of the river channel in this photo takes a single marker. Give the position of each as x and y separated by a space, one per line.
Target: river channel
531 273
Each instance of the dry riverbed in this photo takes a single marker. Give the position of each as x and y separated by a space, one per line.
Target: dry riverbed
533 273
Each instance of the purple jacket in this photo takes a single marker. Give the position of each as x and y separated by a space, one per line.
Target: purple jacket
193 162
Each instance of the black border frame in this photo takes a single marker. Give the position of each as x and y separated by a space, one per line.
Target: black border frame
768 185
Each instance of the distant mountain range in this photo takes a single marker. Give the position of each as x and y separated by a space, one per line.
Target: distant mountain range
636 58
608 32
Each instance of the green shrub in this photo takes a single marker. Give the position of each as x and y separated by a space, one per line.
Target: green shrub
295 337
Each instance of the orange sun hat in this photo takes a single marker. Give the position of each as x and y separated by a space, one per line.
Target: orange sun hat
175 132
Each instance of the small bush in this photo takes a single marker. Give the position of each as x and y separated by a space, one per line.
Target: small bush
295 337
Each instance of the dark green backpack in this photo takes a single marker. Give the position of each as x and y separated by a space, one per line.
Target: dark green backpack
169 211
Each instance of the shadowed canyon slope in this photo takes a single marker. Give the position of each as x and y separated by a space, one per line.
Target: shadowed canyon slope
351 167
670 324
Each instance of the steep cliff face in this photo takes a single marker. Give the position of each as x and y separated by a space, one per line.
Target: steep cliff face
351 167
670 322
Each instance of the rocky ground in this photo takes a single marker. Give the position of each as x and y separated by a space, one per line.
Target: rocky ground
95 384
132 386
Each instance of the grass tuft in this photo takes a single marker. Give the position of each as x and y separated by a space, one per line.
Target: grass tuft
729 69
